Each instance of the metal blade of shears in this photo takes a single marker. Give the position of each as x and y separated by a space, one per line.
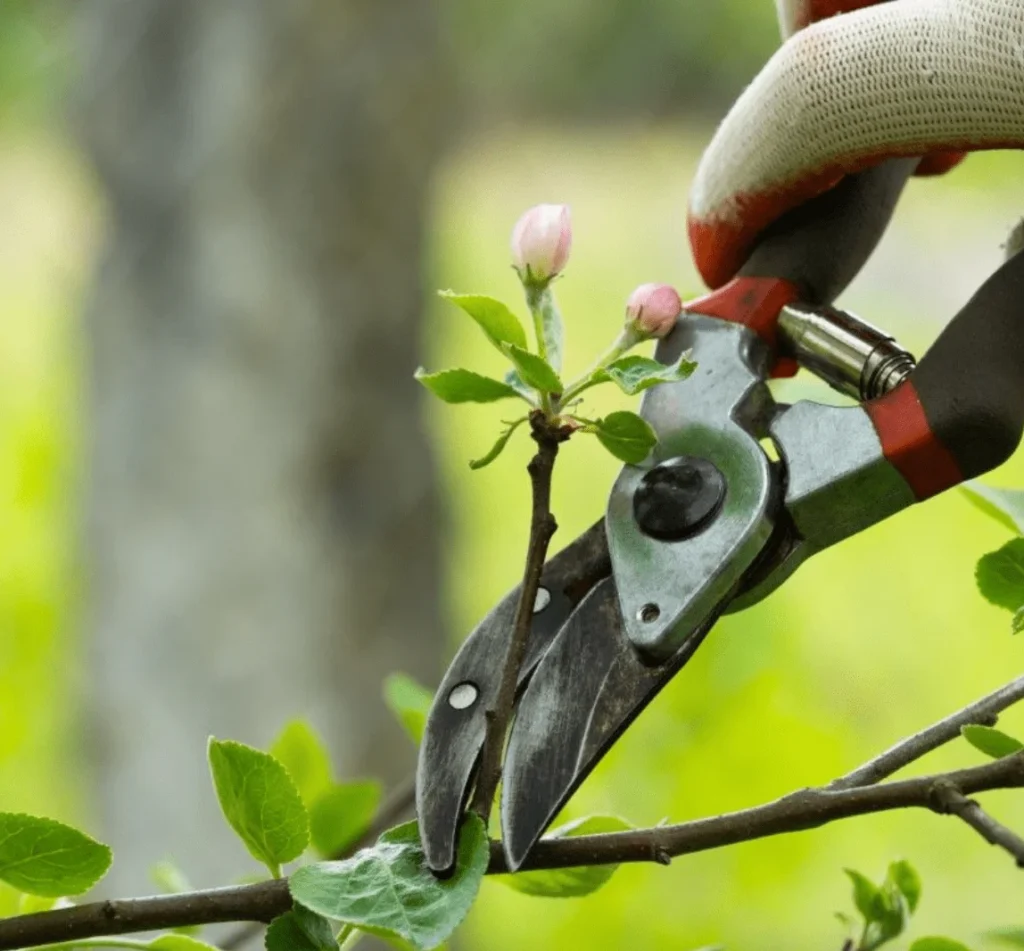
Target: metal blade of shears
454 734
588 688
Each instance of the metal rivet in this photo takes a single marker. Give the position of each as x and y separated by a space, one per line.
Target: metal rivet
649 613
679 498
463 696
542 600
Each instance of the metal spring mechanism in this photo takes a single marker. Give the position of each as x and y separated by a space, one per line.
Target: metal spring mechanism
849 354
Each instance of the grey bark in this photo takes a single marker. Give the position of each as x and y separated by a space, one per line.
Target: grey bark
262 526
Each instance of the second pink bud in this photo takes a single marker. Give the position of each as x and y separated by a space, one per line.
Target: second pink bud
654 309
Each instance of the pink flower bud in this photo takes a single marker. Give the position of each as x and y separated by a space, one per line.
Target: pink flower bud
541 241
654 309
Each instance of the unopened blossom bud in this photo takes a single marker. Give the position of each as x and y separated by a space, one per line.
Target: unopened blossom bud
653 309
541 241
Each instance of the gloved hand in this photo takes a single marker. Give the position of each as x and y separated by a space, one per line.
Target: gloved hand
932 78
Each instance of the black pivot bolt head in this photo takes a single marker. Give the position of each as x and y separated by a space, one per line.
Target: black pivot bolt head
679 498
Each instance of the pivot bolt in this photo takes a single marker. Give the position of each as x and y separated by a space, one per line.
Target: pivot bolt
679 498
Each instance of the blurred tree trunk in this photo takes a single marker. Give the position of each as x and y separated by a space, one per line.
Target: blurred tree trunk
262 510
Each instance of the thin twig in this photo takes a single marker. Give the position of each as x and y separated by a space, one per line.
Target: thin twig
991 830
807 809
984 711
542 528
800 811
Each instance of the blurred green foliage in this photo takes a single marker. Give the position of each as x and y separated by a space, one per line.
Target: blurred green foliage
601 58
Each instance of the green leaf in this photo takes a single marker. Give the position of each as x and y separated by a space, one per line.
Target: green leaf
991 742
1014 937
626 436
389 890
499 447
179 942
1000 575
341 815
904 877
410 702
938 944
260 802
633 373
535 371
300 930
1006 506
300 750
465 386
47 858
570 882
866 895
1017 624
495 319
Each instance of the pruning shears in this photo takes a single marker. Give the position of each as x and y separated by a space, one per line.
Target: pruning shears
739 491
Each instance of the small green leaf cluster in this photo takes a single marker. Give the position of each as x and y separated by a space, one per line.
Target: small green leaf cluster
535 376
885 909
1000 574
283 802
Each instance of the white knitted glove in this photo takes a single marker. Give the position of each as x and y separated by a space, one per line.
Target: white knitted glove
903 78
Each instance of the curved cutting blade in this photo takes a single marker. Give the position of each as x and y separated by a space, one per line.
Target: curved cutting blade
587 689
456 724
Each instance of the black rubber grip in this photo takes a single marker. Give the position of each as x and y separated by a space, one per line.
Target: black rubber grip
971 382
821 246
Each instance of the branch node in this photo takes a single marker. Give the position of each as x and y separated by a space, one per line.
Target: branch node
945 797
661 855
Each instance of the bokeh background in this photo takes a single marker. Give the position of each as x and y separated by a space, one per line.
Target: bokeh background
223 503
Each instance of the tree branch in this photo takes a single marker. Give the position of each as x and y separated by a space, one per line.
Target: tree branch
261 902
542 527
984 711
807 809
992 831
855 794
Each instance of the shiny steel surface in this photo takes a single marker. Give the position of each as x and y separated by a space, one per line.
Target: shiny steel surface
848 353
666 589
